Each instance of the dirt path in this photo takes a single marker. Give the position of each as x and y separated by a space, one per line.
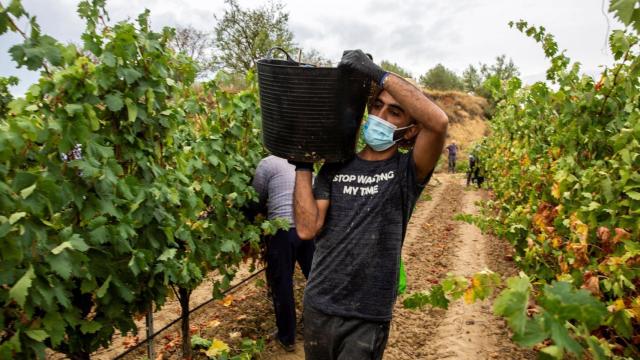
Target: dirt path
437 245
426 254
466 330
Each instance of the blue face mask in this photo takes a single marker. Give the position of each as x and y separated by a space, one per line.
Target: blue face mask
379 133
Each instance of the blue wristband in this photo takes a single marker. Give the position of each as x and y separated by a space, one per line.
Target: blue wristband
382 79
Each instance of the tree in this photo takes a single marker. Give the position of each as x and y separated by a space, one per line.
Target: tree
314 57
503 69
441 78
196 44
395 68
245 35
471 79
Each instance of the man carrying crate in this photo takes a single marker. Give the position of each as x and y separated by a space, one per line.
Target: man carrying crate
358 212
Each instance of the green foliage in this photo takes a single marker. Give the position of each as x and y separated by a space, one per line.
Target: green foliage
395 68
197 45
462 165
627 12
477 287
218 350
479 80
502 69
563 314
244 36
512 303
564 165
198 342
5 94
118 179
471 79
441 78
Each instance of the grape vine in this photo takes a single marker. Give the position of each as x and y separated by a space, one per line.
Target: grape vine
120 178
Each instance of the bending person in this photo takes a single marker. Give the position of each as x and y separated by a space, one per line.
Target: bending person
274 183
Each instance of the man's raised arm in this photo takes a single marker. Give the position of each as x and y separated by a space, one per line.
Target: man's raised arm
432 121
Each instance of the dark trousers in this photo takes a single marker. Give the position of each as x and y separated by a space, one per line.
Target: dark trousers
474 176
329 337
283 250
452 164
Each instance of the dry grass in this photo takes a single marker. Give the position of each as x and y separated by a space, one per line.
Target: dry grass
467 120
459 106
466 133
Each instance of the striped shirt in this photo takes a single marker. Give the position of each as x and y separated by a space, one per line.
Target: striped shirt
274 182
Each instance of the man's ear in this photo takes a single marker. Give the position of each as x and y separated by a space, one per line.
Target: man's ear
412 132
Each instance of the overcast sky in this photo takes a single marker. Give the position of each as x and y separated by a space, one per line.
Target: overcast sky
416 34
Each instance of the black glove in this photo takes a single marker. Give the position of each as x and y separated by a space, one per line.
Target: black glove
301 166
359 61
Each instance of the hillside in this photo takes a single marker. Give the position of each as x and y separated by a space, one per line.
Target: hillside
467 117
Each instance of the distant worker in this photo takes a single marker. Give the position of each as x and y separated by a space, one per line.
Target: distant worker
453 152
274 182
473 175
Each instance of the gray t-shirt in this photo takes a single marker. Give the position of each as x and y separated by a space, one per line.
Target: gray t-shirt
356 263
274 182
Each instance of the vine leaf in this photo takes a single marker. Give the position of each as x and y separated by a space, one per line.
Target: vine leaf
37 334
114 102
103 289
20 290
75 243
512 303
623 9
24 193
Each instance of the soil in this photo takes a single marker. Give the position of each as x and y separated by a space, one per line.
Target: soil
447 246
435 245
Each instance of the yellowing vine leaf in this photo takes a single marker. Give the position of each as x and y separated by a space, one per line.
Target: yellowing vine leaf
616 306
217 348
469 297
555 190
579 228
556 242
635 308
227 300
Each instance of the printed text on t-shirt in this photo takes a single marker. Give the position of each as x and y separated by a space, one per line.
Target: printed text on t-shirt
348 179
